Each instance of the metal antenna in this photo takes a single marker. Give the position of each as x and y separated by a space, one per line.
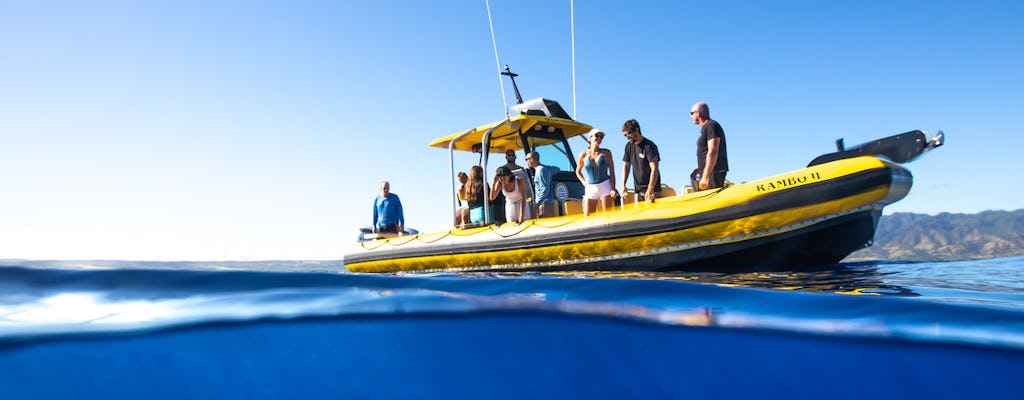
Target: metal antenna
497 62
512 75
572 36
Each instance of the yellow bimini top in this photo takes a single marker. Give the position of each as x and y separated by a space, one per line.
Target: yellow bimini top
541 130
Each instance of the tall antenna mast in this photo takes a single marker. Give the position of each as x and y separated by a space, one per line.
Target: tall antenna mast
572 28
497 63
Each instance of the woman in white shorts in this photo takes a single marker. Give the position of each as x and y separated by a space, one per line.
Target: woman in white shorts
513 189
596 170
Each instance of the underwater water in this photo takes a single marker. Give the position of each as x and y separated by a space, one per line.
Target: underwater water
272 329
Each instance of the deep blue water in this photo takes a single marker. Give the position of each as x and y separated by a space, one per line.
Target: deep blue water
119 329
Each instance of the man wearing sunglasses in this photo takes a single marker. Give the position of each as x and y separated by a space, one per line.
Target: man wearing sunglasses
543 188
712 158
642 155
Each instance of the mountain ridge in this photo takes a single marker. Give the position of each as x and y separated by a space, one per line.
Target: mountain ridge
946 237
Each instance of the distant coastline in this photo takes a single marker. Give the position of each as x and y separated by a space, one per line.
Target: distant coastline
946 237
899 237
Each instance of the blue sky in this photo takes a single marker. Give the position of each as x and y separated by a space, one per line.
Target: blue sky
248 130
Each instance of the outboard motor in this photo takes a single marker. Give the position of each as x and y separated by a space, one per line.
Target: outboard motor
901 148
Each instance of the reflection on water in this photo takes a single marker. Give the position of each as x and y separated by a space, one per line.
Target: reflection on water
979 302
850 279
147 327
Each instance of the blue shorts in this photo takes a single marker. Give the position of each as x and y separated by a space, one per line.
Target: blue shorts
476 214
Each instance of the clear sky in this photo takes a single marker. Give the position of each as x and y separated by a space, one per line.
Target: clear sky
250 130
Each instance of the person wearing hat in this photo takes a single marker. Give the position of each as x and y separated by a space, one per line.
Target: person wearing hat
596 170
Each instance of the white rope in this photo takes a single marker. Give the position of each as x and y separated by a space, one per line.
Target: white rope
572 28
497 61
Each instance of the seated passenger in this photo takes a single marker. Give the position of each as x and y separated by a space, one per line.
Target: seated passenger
514 190
475 195
462 214
596 170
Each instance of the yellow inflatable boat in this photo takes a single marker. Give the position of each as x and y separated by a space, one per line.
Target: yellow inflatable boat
809 217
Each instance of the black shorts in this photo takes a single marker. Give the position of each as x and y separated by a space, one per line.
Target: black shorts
393 228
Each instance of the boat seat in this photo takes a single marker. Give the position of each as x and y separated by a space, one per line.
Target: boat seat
572 206
667 191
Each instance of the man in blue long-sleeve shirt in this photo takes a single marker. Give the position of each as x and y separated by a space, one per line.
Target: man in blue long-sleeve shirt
544 197
387 211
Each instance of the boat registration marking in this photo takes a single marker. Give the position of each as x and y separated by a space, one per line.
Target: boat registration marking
788 182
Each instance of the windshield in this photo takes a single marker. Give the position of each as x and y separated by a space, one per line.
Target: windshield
557 155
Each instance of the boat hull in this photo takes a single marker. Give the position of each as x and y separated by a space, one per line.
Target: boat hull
809 217
812 246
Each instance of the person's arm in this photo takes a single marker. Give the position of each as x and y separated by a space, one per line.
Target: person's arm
401 215
373 225
611 170
709 162
652 182
579 168
625 175
494 188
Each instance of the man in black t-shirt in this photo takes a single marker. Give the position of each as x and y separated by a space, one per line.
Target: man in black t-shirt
712 158
642 155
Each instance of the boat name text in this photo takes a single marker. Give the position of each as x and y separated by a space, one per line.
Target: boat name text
787 182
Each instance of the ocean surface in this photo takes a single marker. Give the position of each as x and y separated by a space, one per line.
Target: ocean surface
294 329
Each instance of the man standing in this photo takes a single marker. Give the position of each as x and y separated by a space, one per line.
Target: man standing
712 159
642 155
510 158
387 211
544 196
